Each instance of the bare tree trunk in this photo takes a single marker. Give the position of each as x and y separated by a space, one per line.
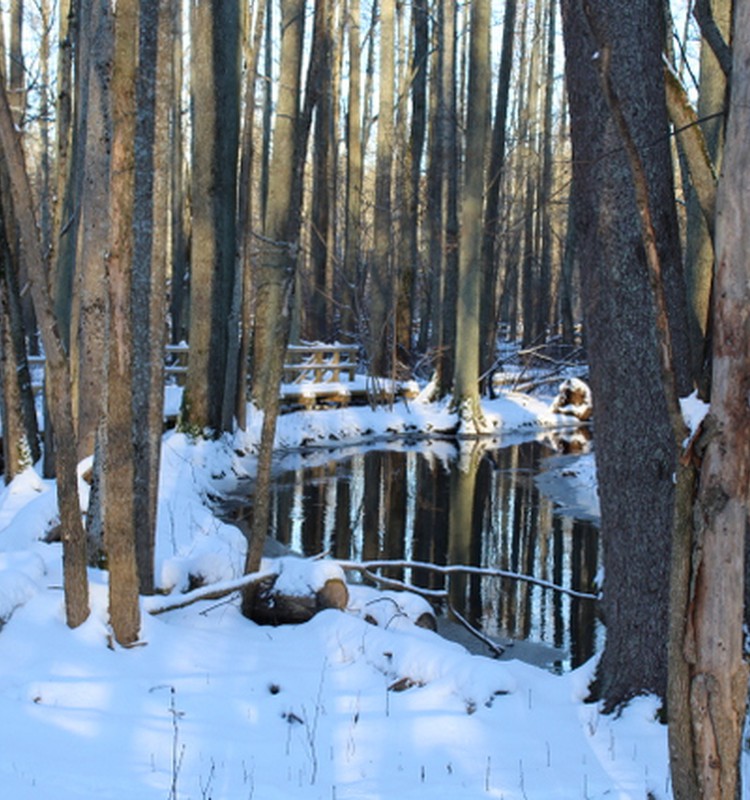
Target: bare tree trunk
267 113
353 215
151 227
492 191
466 380
276 274
699 252
215 84
91 157
636 457
381 275
20 435
529 134
179 299
58 387
544 301
449 261
322 212
411 269
17 71
118 460
714 694
245 223
429 323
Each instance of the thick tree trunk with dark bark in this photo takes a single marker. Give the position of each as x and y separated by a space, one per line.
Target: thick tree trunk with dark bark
635 442
215 114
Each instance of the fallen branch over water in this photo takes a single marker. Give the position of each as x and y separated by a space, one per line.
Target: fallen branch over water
367 567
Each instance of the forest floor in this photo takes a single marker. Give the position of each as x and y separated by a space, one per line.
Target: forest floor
215 706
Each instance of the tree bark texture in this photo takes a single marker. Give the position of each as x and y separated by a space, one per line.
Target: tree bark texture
90 227
466 375
492 191
245 222
447 105
713 644
322 212
276 275
118 453
151 232
58 371
215 114
20 434
699 252
381 272
353 216
635 443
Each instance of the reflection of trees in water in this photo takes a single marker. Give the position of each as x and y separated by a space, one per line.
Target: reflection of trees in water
482 509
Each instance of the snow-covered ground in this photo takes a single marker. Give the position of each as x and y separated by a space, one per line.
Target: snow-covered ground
210 705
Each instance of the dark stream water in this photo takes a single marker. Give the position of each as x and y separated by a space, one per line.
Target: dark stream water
478 506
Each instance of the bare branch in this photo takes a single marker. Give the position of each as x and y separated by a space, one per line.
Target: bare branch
713 35
213 591
450 569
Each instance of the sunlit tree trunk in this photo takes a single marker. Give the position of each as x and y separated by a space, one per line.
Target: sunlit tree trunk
430 325
16 70
91 159
706 753
58 384
466 376
449 261
267 111
544 300
529 134
353 214
699 255
381 273
492 191
118 463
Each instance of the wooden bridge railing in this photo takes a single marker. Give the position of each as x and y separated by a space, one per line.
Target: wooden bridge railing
315 374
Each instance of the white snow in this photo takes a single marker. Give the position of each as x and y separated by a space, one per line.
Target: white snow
211 705
693 412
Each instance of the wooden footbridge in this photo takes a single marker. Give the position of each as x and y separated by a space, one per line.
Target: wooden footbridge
316 375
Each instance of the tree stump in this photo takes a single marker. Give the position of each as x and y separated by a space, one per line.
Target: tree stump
573 399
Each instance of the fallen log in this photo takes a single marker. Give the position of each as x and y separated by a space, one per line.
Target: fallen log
280 607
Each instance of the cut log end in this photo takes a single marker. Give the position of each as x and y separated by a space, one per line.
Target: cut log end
276 608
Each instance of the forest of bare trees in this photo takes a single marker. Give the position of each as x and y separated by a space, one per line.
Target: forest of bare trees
423 179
